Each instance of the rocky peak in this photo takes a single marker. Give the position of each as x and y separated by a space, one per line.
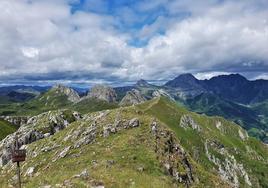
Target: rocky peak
69 92
231 78
184 81
132 97
103 92
142 83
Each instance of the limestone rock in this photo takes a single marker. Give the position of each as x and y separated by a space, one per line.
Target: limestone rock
84 174
162 92
103 92
188 122
64 152
30 171
16 120
242 135
132 97
134 122
69 92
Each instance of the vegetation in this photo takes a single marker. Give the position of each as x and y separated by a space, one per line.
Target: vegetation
127 158
6 128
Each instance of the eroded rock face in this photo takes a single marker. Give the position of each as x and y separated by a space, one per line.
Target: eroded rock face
172 155
188 122
36 128
228 169
16 120
103 92
132 97
242 134
69 92
162 92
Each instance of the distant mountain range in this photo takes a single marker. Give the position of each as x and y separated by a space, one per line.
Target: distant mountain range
230 96
233 87
141 135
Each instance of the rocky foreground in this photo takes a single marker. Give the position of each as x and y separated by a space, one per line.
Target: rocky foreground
154 144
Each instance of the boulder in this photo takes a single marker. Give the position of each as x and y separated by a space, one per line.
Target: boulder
134 122
30 171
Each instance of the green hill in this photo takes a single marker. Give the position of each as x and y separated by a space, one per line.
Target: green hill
53 100
253 119
154 144
6 129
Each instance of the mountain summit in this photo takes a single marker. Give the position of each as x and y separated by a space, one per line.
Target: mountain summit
69 92
142 83
184 81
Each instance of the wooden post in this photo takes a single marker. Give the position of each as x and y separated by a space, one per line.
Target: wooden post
17 157
18 174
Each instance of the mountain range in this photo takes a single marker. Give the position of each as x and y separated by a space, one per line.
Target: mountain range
230 96
185 133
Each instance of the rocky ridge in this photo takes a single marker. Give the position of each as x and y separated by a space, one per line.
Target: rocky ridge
72 95
132 97
102 92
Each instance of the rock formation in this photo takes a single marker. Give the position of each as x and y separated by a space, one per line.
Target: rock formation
69 92
102 92
132 97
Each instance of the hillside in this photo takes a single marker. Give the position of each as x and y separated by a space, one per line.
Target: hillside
59 97
154 144
6 129
250 118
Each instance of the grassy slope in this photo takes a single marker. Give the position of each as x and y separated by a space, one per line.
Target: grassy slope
170 114
245 116
6 129
53 101
129 148
133 148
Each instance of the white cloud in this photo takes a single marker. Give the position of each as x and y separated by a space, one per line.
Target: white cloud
44 39
30 52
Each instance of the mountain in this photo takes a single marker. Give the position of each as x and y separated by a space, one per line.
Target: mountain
247 117
58 97
185 86
142 83
238 89
20 96
72 95
132 97
21 88
232 87
184 81
153 144
102 92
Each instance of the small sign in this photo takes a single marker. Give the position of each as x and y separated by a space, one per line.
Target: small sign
18 155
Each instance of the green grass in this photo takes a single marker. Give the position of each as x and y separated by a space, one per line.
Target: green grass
6 128
133 148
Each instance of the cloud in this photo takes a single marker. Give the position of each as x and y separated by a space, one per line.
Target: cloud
46 41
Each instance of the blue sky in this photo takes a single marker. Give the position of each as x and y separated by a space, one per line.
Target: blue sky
120 41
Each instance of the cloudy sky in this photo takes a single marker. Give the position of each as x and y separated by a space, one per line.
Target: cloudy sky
119 41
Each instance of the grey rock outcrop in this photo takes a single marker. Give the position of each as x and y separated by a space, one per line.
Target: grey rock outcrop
132 97
69 92
162 92
188 122
102 92
171 154
16 120
229 169
35 129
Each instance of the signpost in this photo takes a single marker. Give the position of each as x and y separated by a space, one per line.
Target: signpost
17 157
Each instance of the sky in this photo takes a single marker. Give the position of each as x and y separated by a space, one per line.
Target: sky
83 42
